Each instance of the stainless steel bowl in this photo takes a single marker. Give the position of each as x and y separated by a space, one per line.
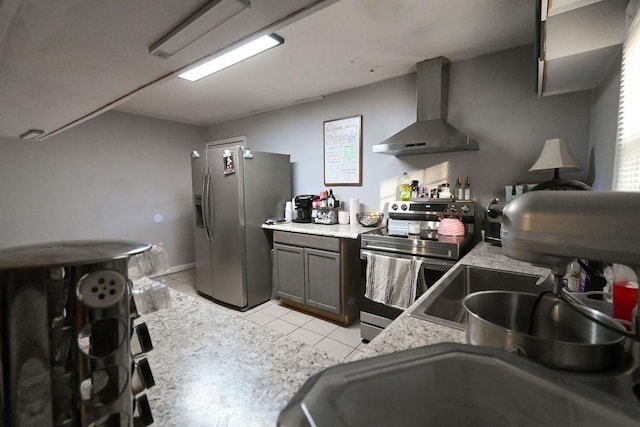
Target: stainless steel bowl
555 335
370 219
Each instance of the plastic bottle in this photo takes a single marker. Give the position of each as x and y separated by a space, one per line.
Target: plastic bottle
151 297
625 292
288 211
404 187
467 189
159 258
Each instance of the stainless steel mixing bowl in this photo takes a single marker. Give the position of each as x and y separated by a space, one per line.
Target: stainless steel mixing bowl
555 335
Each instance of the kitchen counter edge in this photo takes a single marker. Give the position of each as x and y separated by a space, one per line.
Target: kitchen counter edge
348 231
407 332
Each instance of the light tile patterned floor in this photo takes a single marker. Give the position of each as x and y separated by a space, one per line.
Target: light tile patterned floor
341 341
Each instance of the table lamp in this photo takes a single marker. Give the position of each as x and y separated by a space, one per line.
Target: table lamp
555 155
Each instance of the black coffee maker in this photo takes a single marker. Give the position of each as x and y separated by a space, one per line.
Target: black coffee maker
493 219
303 206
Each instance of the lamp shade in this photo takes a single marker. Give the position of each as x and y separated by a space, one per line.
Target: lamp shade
555 155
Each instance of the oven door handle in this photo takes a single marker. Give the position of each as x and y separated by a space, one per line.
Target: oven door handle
383 249
431 263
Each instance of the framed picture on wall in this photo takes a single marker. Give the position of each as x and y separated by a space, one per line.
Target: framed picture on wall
342 151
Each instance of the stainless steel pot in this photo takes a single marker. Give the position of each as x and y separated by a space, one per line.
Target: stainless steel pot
555 335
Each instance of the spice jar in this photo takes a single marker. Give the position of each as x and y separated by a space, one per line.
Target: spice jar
444 191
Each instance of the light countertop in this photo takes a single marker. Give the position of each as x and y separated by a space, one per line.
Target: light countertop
349 231
409 332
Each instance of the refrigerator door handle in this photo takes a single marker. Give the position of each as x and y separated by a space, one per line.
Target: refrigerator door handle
205 202
210 225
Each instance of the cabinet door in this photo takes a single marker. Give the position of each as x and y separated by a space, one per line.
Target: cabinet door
322 284
288 265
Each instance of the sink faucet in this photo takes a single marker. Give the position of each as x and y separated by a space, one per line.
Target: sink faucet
552 228
553 281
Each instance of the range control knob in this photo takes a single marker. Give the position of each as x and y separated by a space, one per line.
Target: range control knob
394 207
465 208
404 207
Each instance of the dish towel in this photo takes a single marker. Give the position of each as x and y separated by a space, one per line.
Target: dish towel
391 280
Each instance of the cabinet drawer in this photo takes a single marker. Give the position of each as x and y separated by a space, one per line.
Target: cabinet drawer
307 240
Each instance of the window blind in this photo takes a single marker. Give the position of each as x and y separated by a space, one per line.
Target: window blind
627 162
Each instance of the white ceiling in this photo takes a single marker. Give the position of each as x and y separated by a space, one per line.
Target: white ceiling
64 62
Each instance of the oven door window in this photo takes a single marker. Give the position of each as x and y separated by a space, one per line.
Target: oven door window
427 277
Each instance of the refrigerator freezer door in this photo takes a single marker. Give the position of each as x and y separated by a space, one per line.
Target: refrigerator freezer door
200 237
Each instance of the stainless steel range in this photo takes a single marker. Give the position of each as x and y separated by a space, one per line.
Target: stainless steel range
412 233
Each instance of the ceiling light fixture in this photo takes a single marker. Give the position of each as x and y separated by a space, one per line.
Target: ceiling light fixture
32 134
206 19
234 56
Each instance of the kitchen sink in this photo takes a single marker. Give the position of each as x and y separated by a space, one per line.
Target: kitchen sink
444 304
453 385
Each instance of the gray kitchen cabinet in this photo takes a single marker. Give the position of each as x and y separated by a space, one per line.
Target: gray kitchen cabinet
322 269
578 40
289 271
317 274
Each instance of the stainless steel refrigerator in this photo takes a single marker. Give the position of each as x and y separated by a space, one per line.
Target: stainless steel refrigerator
234 191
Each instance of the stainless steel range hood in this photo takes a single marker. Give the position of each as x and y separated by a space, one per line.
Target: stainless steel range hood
431 133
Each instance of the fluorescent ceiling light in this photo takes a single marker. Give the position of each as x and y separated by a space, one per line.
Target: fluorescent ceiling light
232 57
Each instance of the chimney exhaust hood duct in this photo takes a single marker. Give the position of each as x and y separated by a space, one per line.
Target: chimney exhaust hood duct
431 133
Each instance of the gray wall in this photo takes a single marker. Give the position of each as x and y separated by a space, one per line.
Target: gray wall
105 178
604 122
108 177
491 98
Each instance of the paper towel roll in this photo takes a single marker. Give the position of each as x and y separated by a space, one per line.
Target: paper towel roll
354 208
288 211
